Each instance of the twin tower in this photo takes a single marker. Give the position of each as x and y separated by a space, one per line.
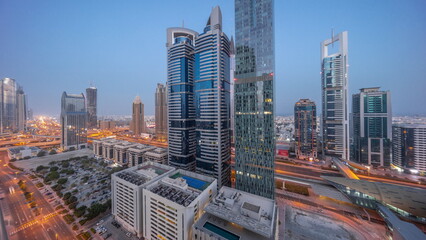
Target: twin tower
199 70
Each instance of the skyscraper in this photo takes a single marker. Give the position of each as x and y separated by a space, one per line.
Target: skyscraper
334 83
73 121
212 100
92 101
161 112
180 101
372 127
8 105
254 97
21 109
305 126
232 91
408 147
137 126
13 106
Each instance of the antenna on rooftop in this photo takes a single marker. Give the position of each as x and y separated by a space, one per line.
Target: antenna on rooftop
183 23
332 37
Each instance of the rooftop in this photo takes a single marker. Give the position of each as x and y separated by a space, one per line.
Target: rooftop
181 187
253 213
407 125
16 150
407 230
412 201
140 148
143 173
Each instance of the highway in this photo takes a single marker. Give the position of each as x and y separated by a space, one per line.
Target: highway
23 224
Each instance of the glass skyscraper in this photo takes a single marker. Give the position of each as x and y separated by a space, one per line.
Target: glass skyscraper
92 98
199 99
305 129
180 101
254 97
372 127
13 106
334 83
73 121
212 100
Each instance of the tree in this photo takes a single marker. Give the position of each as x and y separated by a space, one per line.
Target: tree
39 168
67 195
53 169
52 176
62 181
41 153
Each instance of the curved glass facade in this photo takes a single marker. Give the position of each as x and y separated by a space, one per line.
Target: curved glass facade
212 101
181 108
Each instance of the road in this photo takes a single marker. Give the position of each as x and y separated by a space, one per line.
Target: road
22 224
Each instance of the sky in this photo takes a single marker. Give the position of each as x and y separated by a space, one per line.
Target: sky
119 46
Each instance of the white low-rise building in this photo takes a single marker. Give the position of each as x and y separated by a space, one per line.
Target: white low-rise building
174 203
235 214
22 152
126 189
158 155
128 153
136 153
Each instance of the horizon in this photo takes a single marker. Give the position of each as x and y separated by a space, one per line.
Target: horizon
54 47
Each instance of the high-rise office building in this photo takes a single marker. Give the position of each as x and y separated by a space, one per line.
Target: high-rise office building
30 114
137 126
92 101
232 91
334 83
408 147
73 121
161 112
8 105
180 97
305 126
254 97
13 106
212 100
372 127
21 109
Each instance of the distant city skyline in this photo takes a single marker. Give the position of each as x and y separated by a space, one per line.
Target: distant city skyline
53 47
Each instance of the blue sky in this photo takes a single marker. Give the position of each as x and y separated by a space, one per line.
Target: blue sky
52 46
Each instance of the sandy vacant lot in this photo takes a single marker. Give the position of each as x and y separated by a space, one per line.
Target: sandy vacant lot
34 162
302 225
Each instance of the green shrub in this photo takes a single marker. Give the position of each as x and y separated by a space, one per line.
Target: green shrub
15 167
62 181
52 176
54 169
69 218
41 153
67 195
39 168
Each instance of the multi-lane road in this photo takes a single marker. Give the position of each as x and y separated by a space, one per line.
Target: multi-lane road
21 221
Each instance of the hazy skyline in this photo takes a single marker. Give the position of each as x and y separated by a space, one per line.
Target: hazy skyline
49 47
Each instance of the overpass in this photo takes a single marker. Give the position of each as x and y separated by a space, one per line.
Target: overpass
344 169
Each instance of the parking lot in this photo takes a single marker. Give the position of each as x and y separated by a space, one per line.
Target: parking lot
113 231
